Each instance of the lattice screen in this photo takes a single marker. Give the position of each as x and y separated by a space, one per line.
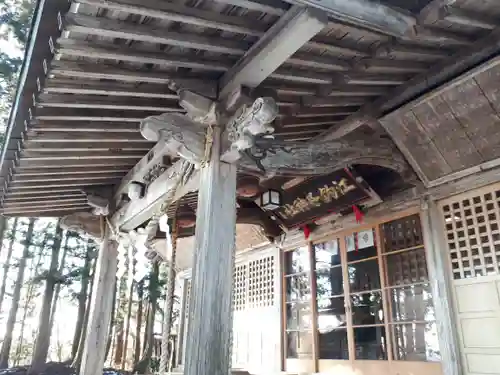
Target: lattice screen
404 251
240 287
402 233
473 234
261 282
253 284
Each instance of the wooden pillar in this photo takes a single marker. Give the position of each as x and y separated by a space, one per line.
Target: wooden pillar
100 308
209 338
439 274
182 323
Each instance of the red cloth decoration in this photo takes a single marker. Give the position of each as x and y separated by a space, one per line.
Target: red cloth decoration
358 213
307 231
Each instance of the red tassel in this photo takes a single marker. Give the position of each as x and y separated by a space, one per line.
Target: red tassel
358 213
307 231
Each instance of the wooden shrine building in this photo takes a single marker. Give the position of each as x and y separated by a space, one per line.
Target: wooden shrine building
322 176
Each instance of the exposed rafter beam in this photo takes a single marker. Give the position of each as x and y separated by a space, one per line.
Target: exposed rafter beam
87 72
60 162
68 177
83 127
51 202
280 42
108 51
188 15
20 172
367 14
468 18
137 104
274 7
67 86
37 192
79 114
45 197
60 156
109 28
14 185
96 136
84 147
34 211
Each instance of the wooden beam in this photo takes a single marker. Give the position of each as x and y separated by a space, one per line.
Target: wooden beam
49 214
75 170
44 202
77 48
109 28
36 136
54 211
81 127
15 185
84 147
38 192
87 71
60 162
59 156
136 213
68 177
341 112
468 18
394 66
273 7
68 86
312 130
366 14
298 122
334 101
188 15
280 42
45 197
81 115
89 102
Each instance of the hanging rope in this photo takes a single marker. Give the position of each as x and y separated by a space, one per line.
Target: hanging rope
169 299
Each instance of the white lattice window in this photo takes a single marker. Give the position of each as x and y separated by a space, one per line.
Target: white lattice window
473 235
239 287
261 282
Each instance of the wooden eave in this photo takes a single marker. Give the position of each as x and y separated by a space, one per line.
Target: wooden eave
95 69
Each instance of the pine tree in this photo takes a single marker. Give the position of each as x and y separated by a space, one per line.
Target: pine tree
42 341
6 265
11 321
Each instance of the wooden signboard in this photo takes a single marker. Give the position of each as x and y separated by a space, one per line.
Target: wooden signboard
319 197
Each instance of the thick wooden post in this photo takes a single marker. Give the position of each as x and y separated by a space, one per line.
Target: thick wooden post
437 263
210 324
100 308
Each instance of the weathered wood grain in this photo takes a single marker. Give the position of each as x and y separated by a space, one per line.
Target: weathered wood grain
442 292
475 114
100 308
210 308
439 123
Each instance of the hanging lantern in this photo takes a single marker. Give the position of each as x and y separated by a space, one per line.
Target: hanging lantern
270 200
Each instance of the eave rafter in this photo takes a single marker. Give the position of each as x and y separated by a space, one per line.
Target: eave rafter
96 92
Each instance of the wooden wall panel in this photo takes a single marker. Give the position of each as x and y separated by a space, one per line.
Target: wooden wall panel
447 134
452 131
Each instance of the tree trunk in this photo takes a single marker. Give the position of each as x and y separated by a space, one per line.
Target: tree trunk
111 323
42 341
57 291
140 295
81 344
6 266
29 298
11 321
120 322
82 301
127 324
3 226
143 365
